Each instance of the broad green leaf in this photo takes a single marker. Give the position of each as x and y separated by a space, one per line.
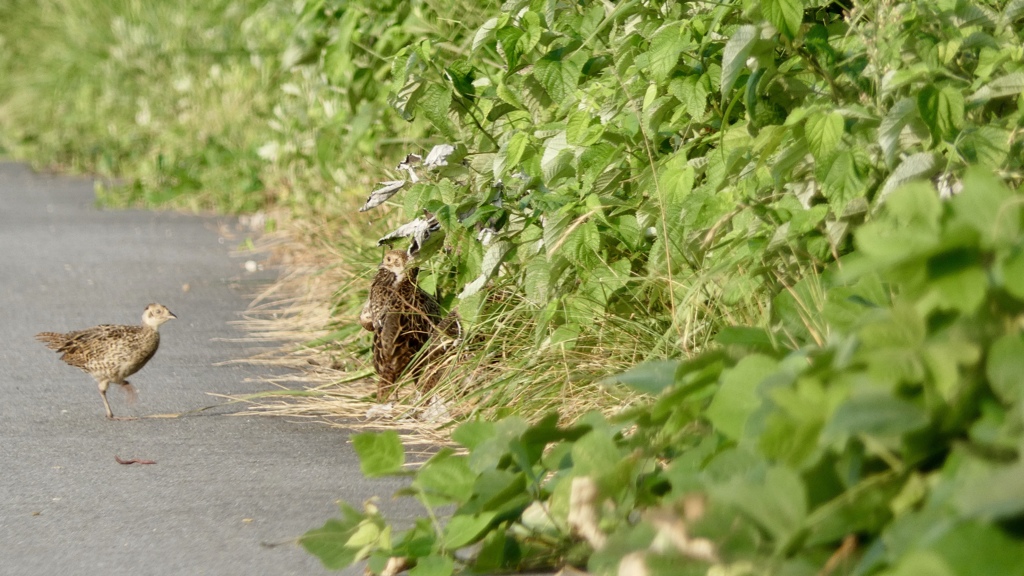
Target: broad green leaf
485 33
509 155
666 46
463 530
737 398
986 205
978 548
433 565
745 336
874 414
963 290
558 76
994 494
556 157
380 454
942 109
734 55
916 166
650 377
578 129
1005 368
842 184
435 102
786 15
1013 275
473 433
778 501
823 132
595 454
508 40
330 543
692 93
891 127
448 476
986 145
919 563
1010 85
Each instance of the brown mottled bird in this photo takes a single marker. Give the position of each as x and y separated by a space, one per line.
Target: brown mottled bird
402 317
111 353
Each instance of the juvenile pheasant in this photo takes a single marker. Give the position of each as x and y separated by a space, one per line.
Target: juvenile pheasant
111 353
402 317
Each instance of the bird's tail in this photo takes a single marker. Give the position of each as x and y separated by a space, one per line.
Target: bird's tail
53 340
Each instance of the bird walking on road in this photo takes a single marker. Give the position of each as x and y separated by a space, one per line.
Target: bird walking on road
402 317
111 353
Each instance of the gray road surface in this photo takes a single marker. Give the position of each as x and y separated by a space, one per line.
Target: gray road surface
222 485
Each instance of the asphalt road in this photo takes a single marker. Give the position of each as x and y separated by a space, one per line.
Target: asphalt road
223 486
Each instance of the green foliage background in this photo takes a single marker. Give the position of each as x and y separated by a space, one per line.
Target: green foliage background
798 218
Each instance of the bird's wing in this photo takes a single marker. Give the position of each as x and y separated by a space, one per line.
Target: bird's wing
82 345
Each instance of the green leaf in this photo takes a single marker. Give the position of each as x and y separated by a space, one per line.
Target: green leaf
892 126
595 454
649 377
875 414
692 93
666 46
448 476
777 501
473 433
463 529
508 40
556 156
919 563
823 132
963 290
1013 275
942 110
992 494
1005 368
986 205
1010 85
435 102
914 167
380 454
734 55
737 397
841 182
579 131
786 15
558 77
745 336
330 543
510 154
433 565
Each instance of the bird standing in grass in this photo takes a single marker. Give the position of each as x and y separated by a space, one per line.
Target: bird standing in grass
402 317
111 353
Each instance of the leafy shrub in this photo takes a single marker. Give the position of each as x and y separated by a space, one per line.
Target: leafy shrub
884 438
683 162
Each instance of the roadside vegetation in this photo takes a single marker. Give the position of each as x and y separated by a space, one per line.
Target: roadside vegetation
742 281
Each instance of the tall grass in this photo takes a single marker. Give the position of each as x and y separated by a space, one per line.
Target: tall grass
170 96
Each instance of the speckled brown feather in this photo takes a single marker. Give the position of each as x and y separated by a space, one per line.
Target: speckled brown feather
110 353
403 318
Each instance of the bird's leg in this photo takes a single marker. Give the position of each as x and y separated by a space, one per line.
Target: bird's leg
131 395
103 384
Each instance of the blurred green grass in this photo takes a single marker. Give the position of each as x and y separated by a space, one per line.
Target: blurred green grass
168 97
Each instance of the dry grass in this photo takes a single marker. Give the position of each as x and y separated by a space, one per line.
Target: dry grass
310 312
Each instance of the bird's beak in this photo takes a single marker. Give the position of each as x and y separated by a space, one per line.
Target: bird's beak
172 314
